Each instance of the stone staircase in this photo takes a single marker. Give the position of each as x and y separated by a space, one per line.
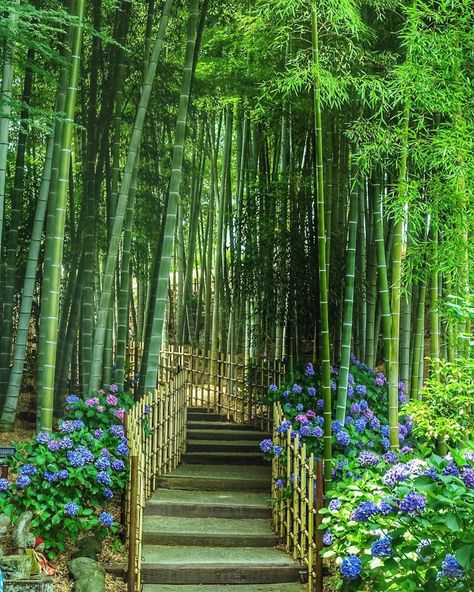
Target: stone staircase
208 528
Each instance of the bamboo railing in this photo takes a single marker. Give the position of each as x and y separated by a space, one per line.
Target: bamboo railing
156 431
296 516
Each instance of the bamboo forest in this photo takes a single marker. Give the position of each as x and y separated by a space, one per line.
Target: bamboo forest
236 295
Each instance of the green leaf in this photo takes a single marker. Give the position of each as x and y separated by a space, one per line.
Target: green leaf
451 522
464 555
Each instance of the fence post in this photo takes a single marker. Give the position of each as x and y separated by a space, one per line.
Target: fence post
133 534
319 520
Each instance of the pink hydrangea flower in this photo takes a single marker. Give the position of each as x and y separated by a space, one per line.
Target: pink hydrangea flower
311 414
120 413
100 408
92 402
101 392
301 418
111 400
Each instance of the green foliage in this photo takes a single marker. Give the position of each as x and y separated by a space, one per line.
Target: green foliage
84 464
418 541
445 411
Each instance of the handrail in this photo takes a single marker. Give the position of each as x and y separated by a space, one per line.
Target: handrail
156 431
296 516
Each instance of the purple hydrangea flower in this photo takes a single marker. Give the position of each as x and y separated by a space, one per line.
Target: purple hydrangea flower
118 465
355 408
402 398
351 567
413 502
368 459
328 538
301 418
468 477
350 379
309 369
364 511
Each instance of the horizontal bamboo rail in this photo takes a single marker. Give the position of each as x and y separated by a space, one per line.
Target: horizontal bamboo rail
296 516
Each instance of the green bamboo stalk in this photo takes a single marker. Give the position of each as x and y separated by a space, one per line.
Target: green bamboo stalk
54 247
434 307
348 299
114 244
419 335
323 287
398 252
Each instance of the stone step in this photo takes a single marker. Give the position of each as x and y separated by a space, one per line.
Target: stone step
211 532
201 424
217 565
210 434
225 458
218 478
222 446
224 588
212 504
205 416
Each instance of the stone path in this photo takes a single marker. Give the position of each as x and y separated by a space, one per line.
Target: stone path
208 528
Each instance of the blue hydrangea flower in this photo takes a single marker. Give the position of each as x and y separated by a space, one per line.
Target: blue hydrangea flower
273 388
382 547
117 430
123 449
299 407
350 391
311 391
280 482
328 538
450 470
4 485
374 424
28 469
297 389
355 408
284 426
450 568
50 477
317 432
98 434
108 493
385 431
277 450
86 454
102 463
76 459
106 519
349 420
362 403
63 474
309 369
343 438
71 399
402 398
351 567
385 508
43 438
364 511
320 404
413 502
336 427
385 443
390 457
360 424
71 509
103 478
23 481
266 445
66 443
118 465
305 430
335 505
53 446
333 385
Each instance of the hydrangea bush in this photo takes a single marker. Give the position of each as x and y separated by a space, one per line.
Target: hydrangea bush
395 520
68 478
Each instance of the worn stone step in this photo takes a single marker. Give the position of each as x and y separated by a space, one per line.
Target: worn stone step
223 588
218 478
212 504
222 446
210 434
216 565
225 458
200 424
211 532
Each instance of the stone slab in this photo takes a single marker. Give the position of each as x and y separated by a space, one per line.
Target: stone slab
37 584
